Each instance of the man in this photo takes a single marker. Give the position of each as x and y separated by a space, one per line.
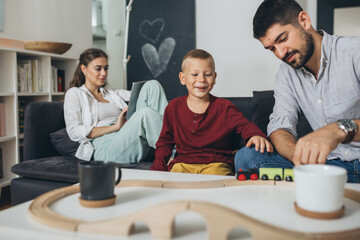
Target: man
320 76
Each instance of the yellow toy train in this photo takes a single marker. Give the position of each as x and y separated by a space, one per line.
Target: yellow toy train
276 174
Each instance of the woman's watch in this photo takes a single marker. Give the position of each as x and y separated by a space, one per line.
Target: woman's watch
349 127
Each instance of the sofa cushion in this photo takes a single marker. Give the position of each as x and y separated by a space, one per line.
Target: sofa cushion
52 168
303 126
243 104
63 144
262 106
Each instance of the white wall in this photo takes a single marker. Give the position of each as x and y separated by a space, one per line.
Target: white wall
224 28
50 20
113 12
310 6
115 23
346 21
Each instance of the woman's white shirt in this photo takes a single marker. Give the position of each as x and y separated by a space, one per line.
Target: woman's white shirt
108 114
81 114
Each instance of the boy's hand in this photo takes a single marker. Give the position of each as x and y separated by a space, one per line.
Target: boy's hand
260 144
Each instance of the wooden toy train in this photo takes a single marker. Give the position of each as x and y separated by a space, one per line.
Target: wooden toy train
276 174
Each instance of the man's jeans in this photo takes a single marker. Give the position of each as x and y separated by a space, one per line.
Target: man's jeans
247 158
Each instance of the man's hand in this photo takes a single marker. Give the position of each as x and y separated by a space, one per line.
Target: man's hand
316 146
260 144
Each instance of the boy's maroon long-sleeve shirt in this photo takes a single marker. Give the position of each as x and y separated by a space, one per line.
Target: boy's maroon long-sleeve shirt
200 138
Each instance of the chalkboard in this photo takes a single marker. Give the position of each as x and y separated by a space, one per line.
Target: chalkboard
161 32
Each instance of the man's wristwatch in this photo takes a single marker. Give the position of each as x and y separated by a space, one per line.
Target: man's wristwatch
349 127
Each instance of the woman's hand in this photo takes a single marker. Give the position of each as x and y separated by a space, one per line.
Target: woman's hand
101 131
260 144
121 119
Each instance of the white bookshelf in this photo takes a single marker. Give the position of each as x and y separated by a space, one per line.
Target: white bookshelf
9 95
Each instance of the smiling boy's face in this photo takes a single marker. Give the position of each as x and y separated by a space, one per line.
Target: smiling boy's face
198 76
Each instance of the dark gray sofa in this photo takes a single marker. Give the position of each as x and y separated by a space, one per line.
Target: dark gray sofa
44 168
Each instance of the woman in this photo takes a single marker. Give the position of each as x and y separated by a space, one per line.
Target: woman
96 117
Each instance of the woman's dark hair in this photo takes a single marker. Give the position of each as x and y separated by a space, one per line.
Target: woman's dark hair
272 12
85 57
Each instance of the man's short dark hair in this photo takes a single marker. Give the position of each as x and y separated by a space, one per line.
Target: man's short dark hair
272 12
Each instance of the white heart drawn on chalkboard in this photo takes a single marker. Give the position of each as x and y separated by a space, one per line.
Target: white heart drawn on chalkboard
152 30
157 61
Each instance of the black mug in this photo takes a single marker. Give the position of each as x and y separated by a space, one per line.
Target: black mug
97 179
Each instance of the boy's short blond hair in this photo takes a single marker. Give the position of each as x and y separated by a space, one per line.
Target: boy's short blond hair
200 54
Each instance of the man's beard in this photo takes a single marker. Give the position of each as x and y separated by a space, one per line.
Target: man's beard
306 52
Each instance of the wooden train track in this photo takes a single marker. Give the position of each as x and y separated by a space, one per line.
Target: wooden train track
165 214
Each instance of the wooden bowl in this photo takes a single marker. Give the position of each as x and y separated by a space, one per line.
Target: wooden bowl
51 47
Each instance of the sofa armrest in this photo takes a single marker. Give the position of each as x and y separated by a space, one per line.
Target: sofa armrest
58 168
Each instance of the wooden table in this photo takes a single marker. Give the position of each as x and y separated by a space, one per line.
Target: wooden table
271 204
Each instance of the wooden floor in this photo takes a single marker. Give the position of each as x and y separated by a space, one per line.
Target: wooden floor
5 201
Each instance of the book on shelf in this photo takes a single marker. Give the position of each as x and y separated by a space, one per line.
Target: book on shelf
21 78
30 76
23 68
58 79
22 104
1 165
40 78
2 120
61 80
21 110
54 78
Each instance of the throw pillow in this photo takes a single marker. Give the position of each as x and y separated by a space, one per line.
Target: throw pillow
63 144
262 106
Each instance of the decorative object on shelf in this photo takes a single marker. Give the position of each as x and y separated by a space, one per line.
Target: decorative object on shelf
11 43
51 47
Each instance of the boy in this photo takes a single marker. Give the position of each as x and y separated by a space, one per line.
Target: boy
200 124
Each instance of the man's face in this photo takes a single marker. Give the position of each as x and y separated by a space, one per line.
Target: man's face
292 45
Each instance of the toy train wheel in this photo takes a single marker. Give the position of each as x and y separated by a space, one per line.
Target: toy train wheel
242 177
254 176
277 178
264 177
288 179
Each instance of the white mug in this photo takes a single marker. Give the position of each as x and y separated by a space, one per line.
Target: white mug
319 188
